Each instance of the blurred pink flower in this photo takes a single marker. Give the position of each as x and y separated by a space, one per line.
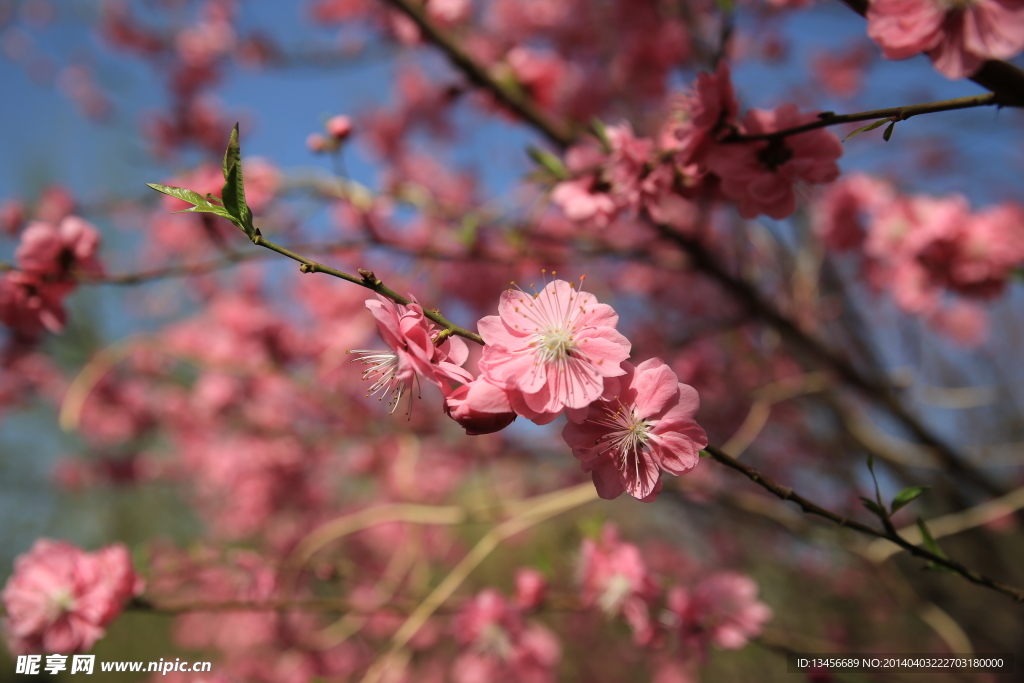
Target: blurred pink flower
759 176
958 35
722 610
54 251
530 588
648 427
553 350
696 117
60 599
614 577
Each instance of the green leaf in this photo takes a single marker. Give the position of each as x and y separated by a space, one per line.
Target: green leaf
181 193
874 507
598 128
907 496
865 129
888 131
705 454
233 193
200 204
928 540
549 161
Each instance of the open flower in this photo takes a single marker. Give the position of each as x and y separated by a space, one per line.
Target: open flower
958 35
759 176
60 598
722 610
628 440
552 350
614 577
413 354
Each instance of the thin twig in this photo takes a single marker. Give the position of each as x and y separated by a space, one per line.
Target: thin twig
895 114
891 535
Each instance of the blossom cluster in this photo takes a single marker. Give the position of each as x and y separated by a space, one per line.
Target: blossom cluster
61 599
922 249
48 260
551 352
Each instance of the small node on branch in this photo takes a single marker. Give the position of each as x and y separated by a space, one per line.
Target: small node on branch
307 268
368 276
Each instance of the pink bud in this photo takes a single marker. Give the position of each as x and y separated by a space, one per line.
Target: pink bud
530 588
480 407
339 127
316 143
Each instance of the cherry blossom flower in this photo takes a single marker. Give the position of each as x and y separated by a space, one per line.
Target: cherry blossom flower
530 588
413 354
721 610
648 427
760 176
614 577
712 105
481 407
61 599
501 647
339 127
28 305
54 251
551 350
958 35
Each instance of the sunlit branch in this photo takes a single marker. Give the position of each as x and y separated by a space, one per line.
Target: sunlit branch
890 535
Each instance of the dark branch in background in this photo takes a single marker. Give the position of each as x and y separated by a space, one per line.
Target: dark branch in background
746 294
894 114
1005 80
512 97
889 534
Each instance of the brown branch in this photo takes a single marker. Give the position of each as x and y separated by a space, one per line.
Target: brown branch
824 356
894 114
812 508
513 98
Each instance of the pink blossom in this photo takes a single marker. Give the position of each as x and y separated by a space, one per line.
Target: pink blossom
481 407
12 216
61 599
54 251
839 214
28 305
614 577
500 646
711 107
339 127
583 201
627 441
530 588
316 143
413 353
760 176
722 610
958 36
964 323
553 350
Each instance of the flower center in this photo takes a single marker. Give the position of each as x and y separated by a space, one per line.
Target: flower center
382 366
555 344
628 435
61 602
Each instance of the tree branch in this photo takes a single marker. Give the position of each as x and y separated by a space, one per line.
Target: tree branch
895 114
513 98
812 508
